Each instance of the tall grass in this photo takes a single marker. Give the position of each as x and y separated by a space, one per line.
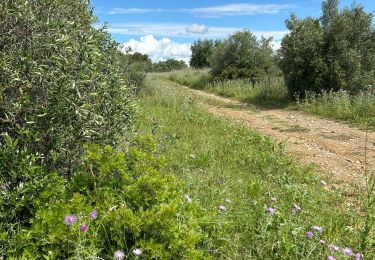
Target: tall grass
226 164
268 92
358 109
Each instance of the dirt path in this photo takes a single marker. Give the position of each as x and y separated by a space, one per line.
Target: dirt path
337 148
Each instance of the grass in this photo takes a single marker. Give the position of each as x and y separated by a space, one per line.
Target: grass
218 159
355 109
266 93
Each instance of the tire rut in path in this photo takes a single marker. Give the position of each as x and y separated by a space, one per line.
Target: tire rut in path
337 148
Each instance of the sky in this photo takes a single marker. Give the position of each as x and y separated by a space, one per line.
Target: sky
165 29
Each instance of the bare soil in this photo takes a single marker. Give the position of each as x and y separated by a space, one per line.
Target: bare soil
340 150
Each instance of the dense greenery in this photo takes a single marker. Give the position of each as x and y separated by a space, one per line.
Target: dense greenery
61 82
201 52
243 56
331 53
68 189
169 65
226 164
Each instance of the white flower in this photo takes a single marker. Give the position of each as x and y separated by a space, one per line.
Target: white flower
188 199
137 252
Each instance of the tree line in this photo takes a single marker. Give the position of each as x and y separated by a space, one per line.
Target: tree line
332 52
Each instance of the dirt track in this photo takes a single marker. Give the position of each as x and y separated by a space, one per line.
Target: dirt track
337 148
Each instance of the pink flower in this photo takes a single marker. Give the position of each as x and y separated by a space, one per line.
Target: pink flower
84 227
70 219
347 251
93 214
335 248
309 234
317 228
322 242
330 258
119 255
271 211
358 256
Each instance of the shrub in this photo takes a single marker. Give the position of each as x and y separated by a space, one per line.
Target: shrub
116 201
61 82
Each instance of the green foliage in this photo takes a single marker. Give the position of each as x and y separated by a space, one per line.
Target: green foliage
267 92
201 52
333 53
61 81
221 159
242 56
135 68
169 65
138 205
357 109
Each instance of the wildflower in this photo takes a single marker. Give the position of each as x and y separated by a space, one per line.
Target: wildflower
271 211
335 248
228 200
222 208
330 258
347 251
309 234
322 242
358 256
4 186
84 227
295 208
137 252
317 228
119 255
70 219
93 214
188 199
273 199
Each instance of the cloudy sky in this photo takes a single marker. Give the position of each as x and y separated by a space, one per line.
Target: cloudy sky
165 28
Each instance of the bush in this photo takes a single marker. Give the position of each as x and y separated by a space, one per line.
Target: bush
116 201
333 53
169 65
61 81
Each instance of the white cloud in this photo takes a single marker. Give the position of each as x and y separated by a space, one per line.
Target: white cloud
159 50
197 29
240 9
184 30
214 11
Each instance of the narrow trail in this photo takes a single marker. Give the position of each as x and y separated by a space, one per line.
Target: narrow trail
340 150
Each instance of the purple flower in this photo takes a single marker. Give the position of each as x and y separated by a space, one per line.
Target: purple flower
93 214
222 208
317 228
271 211
335 248
4 186
84 227
70 219
119 255
188 199
322 242
295 208
309 234
347 251
137 252
330 258
358 256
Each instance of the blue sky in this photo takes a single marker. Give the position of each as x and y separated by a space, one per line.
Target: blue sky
166 28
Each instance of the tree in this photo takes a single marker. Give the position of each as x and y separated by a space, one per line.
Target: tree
242 56
169 65
331 53
201 52
301 50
